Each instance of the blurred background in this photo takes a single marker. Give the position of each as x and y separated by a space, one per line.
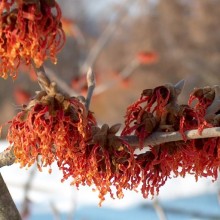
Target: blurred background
131 46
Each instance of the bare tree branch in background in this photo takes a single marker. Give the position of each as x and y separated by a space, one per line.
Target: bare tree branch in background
60 83
25 211
55 211
104 38
91 87
159 210
123 75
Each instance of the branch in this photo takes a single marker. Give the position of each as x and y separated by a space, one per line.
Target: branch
159 210
104 38
61 83
42 78
7 157
124 74
164 137
8 210
56 212
25 212
91 87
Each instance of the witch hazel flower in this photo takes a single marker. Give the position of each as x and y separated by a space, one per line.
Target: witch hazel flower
30 30
52 127
156 109
109 164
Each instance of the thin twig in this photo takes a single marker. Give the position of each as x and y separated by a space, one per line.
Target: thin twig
191 214
72 213
124 74
104 38
42 78
159 210
91 87
27 187
56 212
61 83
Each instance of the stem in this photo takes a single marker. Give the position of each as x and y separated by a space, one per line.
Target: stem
104 38
8 210
159 210
25 209
42 78
124 74
61 83
91 87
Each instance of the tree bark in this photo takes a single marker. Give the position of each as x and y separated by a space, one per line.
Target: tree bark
8 210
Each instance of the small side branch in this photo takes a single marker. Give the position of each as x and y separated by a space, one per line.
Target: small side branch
91 87
105 37
25 210
159 210
123 75
42 78
61 83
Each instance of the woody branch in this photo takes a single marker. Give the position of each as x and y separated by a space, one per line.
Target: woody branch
7 156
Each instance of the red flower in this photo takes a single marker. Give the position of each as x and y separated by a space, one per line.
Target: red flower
204 97
150 111
158 109
30 30
109 163
50 128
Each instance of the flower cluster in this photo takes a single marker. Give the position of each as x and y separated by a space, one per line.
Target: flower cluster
51 128
57 128
158 110
30 30
109 163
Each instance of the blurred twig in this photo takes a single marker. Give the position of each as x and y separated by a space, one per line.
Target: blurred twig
56 212
61 83
184 212
42 77
27 187
123 75
104 38
91 87
159 210
71 215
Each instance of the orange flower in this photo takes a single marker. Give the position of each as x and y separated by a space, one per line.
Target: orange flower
195 157
158 109
108 163
50 128
30 30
